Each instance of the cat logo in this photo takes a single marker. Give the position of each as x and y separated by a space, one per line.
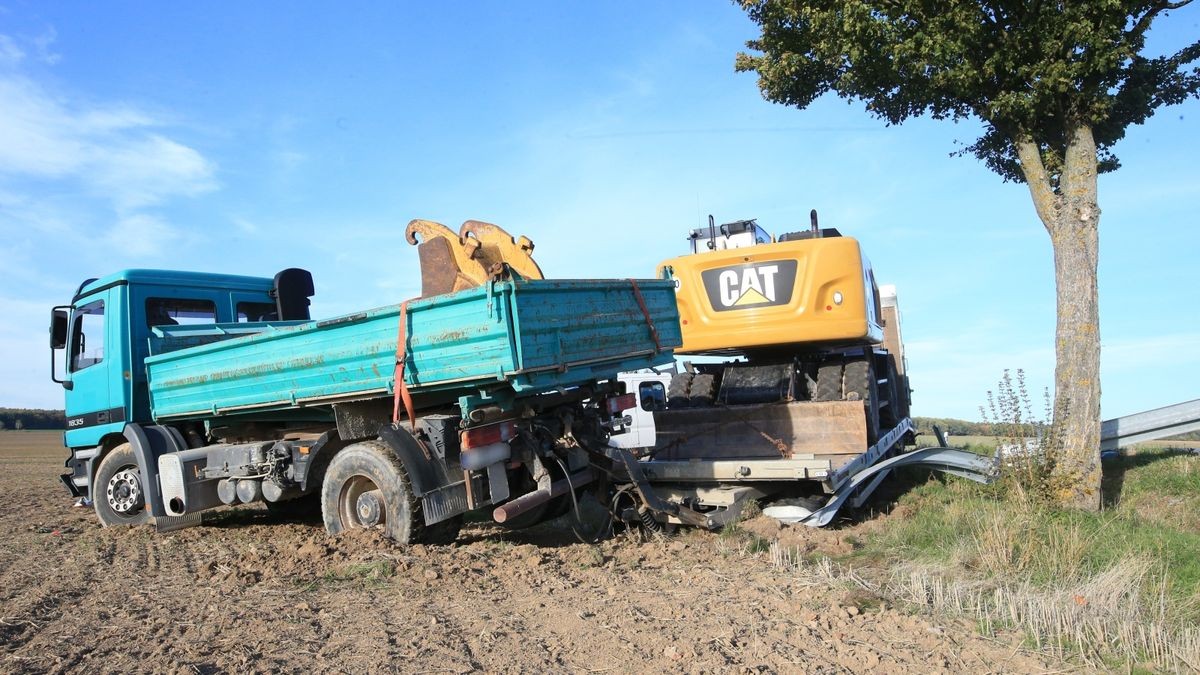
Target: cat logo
752 285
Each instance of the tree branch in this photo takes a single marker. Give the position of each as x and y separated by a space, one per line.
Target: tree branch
1143 23
1044 199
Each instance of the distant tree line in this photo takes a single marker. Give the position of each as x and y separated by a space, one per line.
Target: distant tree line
26 418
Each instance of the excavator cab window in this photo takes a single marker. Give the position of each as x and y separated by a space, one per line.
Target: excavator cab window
738 234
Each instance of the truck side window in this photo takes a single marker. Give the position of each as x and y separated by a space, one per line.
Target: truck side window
653 396
256 311
87 336
179 312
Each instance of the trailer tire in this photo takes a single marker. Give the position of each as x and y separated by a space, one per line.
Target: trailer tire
677 391
891 414
703 390
118 493
366 486
829 381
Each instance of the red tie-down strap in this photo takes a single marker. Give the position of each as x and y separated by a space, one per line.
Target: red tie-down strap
402 395
637 293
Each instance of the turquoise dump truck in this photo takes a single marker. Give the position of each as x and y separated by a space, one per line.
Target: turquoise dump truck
188 391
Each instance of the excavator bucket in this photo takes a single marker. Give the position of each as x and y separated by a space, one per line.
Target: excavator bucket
451 262
446 266
494 245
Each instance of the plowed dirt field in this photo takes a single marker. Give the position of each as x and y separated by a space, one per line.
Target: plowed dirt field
247 593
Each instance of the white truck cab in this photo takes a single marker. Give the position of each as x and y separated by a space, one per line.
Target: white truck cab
650 388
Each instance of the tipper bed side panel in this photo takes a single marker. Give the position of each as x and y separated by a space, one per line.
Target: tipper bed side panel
353 355
530 335
566 322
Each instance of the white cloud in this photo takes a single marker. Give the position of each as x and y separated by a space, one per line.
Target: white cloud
143 235
10 53
73 167
42 43
145 171
115 151
246 226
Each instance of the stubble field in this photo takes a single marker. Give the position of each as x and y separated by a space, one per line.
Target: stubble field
247 593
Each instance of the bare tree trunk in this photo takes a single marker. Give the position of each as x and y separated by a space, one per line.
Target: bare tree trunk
1072 218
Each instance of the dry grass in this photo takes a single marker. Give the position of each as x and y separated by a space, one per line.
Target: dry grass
1099 618
1121 585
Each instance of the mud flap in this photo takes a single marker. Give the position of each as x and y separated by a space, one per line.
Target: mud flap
148 443
173 523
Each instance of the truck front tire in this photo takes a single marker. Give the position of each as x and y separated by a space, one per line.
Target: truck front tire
366 486
118 494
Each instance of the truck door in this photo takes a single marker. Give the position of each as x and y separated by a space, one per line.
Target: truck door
651 395
94 364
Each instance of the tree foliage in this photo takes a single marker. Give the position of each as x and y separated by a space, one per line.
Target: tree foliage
1055 83
1026 68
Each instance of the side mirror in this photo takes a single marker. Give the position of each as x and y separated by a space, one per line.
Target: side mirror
58 340
58 328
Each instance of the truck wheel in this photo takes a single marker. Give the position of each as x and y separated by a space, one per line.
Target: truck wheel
117 493
861 383
366 486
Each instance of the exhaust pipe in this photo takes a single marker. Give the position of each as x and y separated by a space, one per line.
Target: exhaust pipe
526 502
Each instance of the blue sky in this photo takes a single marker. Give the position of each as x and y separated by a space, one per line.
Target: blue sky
249 137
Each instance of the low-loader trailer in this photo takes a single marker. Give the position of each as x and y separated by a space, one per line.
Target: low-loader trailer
497 388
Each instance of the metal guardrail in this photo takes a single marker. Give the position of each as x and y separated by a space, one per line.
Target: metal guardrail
1150 425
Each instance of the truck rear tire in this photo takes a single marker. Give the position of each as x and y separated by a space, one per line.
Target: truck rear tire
118 494
367 486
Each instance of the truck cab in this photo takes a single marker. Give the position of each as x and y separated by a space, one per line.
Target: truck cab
650 389
100 340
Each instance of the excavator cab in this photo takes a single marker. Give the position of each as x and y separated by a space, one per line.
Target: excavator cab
738 234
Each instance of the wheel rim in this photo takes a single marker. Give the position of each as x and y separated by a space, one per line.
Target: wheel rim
361 503
124 492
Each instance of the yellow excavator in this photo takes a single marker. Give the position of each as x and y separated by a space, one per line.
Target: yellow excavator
797 381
